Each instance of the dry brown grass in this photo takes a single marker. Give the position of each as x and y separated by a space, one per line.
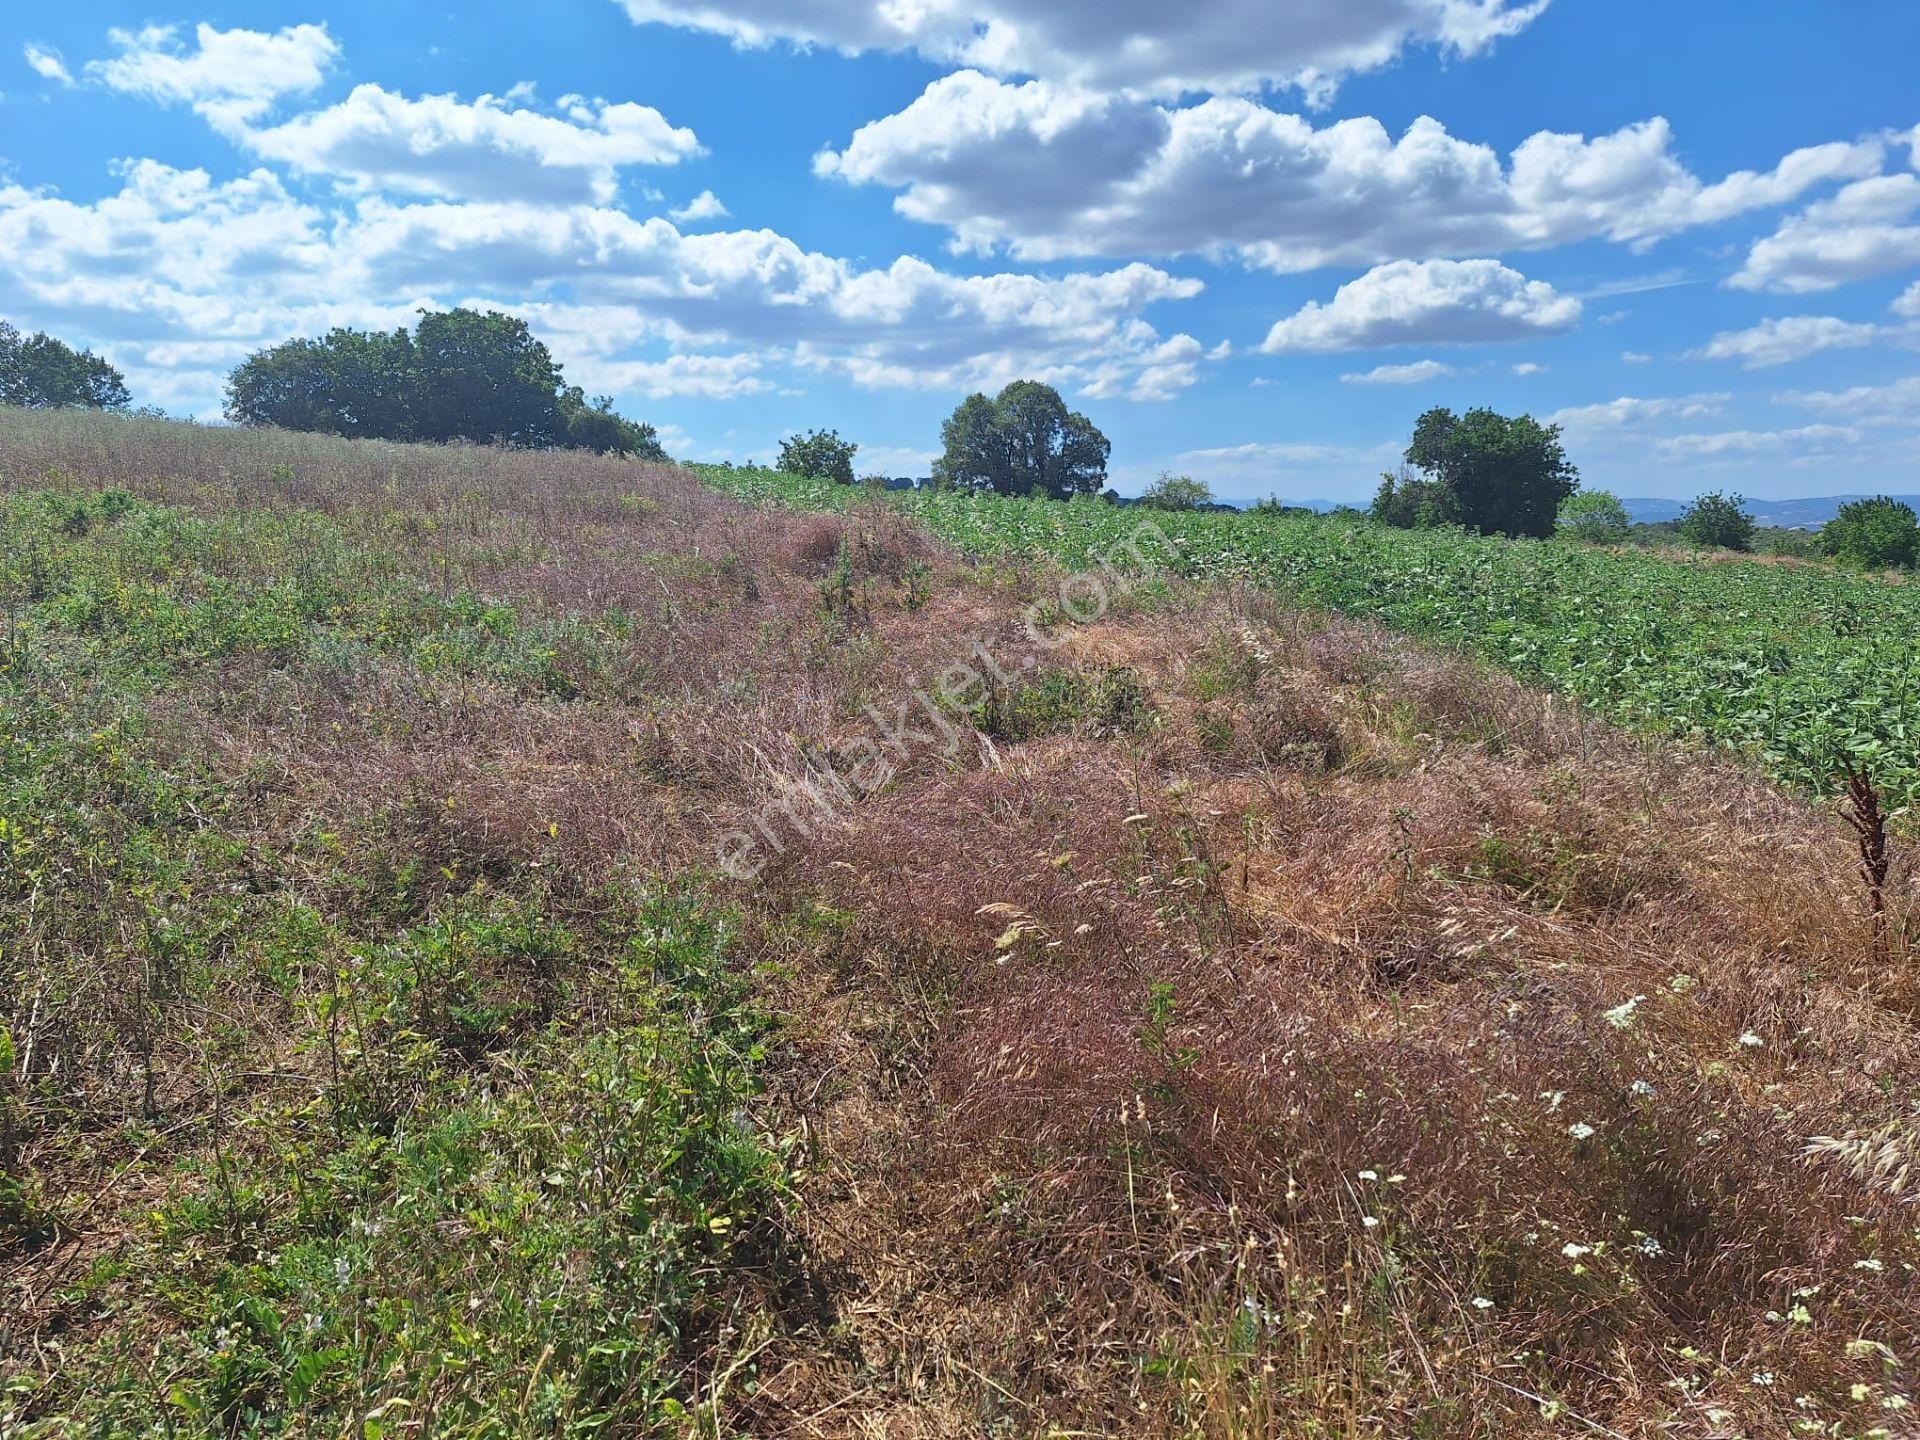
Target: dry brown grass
1110 1042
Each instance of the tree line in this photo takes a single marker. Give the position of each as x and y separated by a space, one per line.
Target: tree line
478 376
483 377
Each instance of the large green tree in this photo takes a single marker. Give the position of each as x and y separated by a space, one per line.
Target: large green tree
1878 534
358 383
1024 441
1495 474
484 377
43 373
459 375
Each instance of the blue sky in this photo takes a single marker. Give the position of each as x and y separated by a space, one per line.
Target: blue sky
1253 241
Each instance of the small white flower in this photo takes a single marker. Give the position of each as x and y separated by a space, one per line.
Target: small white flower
1369 1221
1480 1302
1763 1377
1640 1088
1553 1098
1580 1130
1751 1040
1369 1174
1868 1264
1574 1252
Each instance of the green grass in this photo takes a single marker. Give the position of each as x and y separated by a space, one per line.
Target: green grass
1807 669
358 1153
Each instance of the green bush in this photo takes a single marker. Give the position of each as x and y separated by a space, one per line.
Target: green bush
820 455
1717 520
1877 534
1594 517
1177 492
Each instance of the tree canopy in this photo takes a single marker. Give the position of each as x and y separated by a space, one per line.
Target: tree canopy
43 373
1594 516
1486 471
1877 534
1177 492
1024 441
821 454
1718 520
460 375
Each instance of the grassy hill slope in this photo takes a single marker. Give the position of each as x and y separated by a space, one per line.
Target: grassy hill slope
1806 668
528 945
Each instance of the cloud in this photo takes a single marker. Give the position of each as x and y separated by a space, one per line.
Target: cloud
1802 445
895 460
1141 46
1432 302
1792 337
1528 367
704 206
708 377
375 140
174 252
1909 303
1635 357
1414 374
1631 412
1895 404
1861 232
47 64
230 75
1048 171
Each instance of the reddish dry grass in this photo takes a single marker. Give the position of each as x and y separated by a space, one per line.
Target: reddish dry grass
1098 1036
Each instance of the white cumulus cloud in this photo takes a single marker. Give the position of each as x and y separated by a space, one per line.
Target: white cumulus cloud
1048 171
1867 229
1634 412
1894 404
704 206
1432 302
245 261
487 149
1146 46
1791 337
228 74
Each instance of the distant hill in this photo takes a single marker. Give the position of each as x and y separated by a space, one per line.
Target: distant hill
1787 514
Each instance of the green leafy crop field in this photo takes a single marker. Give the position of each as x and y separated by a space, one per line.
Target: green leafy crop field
1809 669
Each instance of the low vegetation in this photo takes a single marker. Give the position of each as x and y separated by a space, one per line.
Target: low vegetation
1805 670
1220 1020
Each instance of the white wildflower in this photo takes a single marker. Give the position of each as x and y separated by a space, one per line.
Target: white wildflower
1751 1040
1480 1302
1580 1130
